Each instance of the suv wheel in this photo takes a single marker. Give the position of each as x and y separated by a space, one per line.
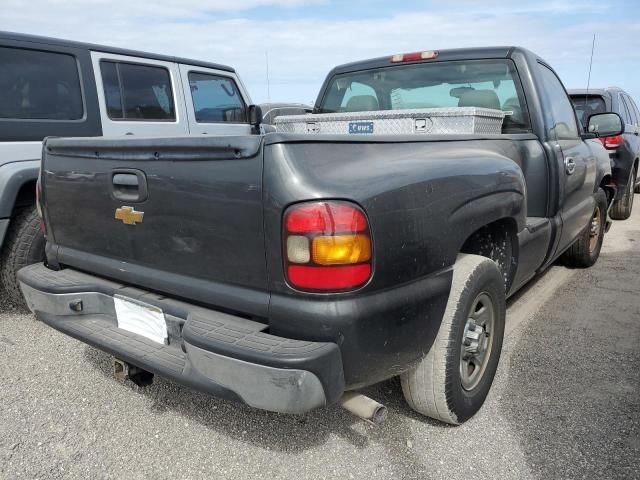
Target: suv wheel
451 383
23 245
621 209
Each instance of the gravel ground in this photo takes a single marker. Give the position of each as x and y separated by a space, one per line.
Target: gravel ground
565 404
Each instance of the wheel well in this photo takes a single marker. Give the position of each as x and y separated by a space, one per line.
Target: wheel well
497 241
26 195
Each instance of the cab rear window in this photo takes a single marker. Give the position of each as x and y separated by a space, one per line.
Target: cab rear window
39 85
474 83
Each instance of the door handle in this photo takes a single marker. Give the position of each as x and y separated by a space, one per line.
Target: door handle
569 165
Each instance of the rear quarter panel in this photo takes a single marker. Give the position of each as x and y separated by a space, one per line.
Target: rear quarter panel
423 198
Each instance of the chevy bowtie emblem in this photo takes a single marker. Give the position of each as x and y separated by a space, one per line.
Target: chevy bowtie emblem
129 216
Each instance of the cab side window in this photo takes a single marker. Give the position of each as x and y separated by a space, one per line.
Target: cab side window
216 99
561 117
39 85
137 92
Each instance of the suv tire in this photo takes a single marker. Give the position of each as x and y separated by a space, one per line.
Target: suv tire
23 245
621 209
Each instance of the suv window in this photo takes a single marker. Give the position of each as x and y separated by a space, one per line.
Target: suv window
633 119
216 99
561 117
635 109
39 85
624 110
587 105
137 92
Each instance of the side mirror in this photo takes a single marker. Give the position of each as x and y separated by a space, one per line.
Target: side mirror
605 124
255 115
255 118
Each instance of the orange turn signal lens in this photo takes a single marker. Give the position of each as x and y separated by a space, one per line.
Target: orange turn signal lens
341 249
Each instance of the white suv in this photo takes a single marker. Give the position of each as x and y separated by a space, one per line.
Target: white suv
51 87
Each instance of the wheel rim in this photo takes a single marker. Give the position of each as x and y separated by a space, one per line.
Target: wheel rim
477 341
630 189
594 230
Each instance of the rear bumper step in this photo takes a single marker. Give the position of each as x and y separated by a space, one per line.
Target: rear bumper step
221 354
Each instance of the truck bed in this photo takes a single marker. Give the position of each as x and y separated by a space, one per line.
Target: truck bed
211 229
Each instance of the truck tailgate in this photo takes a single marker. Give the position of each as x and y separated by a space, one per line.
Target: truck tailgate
181 216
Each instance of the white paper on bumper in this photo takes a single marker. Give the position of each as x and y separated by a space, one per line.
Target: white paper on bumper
141 318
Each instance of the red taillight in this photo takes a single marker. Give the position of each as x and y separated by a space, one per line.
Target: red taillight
329 278
612 143
327 246
414 56
325 218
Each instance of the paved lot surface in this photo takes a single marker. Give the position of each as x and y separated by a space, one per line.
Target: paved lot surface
565 404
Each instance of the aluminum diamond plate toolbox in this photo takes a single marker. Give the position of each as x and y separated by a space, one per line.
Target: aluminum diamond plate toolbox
431 121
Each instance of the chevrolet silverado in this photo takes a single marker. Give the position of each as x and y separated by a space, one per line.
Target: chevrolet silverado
289 269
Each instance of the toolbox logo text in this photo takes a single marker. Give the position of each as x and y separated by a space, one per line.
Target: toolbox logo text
360 127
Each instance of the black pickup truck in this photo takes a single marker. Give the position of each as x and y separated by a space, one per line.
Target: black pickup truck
284 270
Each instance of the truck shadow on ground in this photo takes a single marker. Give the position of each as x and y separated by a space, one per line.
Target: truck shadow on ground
268 430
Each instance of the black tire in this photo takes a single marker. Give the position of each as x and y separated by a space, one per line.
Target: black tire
23 245
434 387
621 209
582 254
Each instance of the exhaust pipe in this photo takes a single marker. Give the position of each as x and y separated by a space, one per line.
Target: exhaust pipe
363 407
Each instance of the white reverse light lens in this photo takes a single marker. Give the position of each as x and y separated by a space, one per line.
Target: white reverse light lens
298 249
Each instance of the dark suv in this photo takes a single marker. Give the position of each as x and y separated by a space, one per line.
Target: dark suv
624 149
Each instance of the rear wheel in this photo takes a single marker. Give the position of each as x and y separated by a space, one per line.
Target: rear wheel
451 383
23 245
621 209
586 249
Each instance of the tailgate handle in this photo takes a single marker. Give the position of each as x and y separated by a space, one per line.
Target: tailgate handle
125 179
129 185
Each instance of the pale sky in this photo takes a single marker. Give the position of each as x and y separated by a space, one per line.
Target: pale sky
304 39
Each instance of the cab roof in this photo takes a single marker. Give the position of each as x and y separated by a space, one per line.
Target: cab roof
35 39
478 53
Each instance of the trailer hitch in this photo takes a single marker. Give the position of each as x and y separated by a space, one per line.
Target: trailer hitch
123 371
